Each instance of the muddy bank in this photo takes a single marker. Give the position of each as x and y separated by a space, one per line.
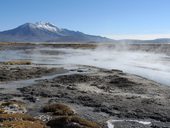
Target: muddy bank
9 73
107 95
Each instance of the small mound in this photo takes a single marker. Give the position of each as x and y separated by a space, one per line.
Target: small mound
121 82
74 78
71 122
58 109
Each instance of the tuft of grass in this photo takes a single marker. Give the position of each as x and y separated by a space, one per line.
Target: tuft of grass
58 109
2 111
72 121
17 62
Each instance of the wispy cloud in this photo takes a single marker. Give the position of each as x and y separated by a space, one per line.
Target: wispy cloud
136 36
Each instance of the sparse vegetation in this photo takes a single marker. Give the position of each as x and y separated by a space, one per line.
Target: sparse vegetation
66 118
18 120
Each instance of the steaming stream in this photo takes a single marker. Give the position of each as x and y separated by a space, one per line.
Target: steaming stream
153 66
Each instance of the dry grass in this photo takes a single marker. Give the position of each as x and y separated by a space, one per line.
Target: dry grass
58 109
72 121
20 121
17 62
2 111
16 116
22 124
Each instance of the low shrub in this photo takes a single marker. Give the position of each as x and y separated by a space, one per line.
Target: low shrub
58 109
72 122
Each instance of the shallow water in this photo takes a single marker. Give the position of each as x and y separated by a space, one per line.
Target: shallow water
110 123
153 66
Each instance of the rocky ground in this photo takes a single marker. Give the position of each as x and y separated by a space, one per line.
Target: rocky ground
98 96
36 96
107 94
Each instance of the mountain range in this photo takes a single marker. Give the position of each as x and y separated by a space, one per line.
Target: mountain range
47 32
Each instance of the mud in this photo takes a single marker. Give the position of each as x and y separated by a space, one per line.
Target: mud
8 73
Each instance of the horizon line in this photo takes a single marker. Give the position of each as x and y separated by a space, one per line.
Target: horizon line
136 36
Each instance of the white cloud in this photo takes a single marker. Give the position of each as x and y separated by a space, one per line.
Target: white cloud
136 36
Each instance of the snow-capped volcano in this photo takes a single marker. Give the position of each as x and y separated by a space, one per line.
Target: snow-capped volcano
46 32
47 26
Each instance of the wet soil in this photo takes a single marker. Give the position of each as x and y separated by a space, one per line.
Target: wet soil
9 73
107 94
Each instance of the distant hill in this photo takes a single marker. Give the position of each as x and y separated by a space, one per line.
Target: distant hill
160 40
47 32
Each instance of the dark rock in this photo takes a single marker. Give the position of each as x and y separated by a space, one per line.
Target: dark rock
31 99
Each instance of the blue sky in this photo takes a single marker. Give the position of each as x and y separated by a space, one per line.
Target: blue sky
112 18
